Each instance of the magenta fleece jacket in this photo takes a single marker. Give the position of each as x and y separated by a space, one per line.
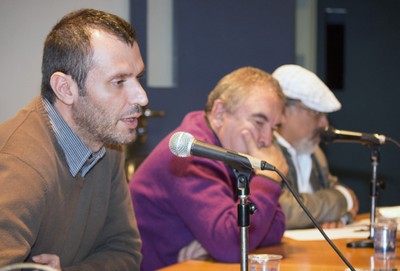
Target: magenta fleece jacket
178 200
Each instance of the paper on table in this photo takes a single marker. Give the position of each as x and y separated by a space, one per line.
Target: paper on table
360 229
391 212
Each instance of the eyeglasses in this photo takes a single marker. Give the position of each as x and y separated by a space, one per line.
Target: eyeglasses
313 113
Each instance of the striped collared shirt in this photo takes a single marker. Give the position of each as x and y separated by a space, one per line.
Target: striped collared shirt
79 157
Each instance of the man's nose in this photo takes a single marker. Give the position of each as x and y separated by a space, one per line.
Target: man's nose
265 139
138 95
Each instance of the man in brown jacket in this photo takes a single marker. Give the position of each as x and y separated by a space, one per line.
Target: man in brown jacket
64 199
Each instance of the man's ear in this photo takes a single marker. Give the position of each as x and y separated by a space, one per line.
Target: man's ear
64 87
217 113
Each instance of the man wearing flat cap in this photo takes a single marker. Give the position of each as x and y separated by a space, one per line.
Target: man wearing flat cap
309 101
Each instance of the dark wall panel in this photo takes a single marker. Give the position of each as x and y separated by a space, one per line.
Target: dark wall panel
370 95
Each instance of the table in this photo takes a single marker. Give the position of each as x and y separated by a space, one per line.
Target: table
306 256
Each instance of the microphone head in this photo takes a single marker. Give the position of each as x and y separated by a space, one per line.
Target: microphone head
180 144
327 134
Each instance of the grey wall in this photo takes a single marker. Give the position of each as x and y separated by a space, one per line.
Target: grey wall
23 28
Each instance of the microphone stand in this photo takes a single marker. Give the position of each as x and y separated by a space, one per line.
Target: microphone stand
244 210
243 172
374 189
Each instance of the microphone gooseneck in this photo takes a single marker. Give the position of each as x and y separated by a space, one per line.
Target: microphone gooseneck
330 134
313 220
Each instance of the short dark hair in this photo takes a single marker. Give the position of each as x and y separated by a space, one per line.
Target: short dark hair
67 47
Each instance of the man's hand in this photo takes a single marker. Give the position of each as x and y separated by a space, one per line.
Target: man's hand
354 211
271 154
51 260
193 251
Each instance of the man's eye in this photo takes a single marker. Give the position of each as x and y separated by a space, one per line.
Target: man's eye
119 82
260 123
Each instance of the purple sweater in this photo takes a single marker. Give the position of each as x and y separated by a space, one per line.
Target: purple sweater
178 200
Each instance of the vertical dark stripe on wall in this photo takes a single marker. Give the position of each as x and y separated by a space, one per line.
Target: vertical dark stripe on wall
335 47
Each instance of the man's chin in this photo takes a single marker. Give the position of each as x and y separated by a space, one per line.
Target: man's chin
123 139
130 139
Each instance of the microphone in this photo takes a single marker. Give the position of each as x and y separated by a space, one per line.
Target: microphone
183 144
330 134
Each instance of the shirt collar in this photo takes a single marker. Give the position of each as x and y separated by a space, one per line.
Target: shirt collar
80 158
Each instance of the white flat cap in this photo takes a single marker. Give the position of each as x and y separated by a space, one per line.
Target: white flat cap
301 84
